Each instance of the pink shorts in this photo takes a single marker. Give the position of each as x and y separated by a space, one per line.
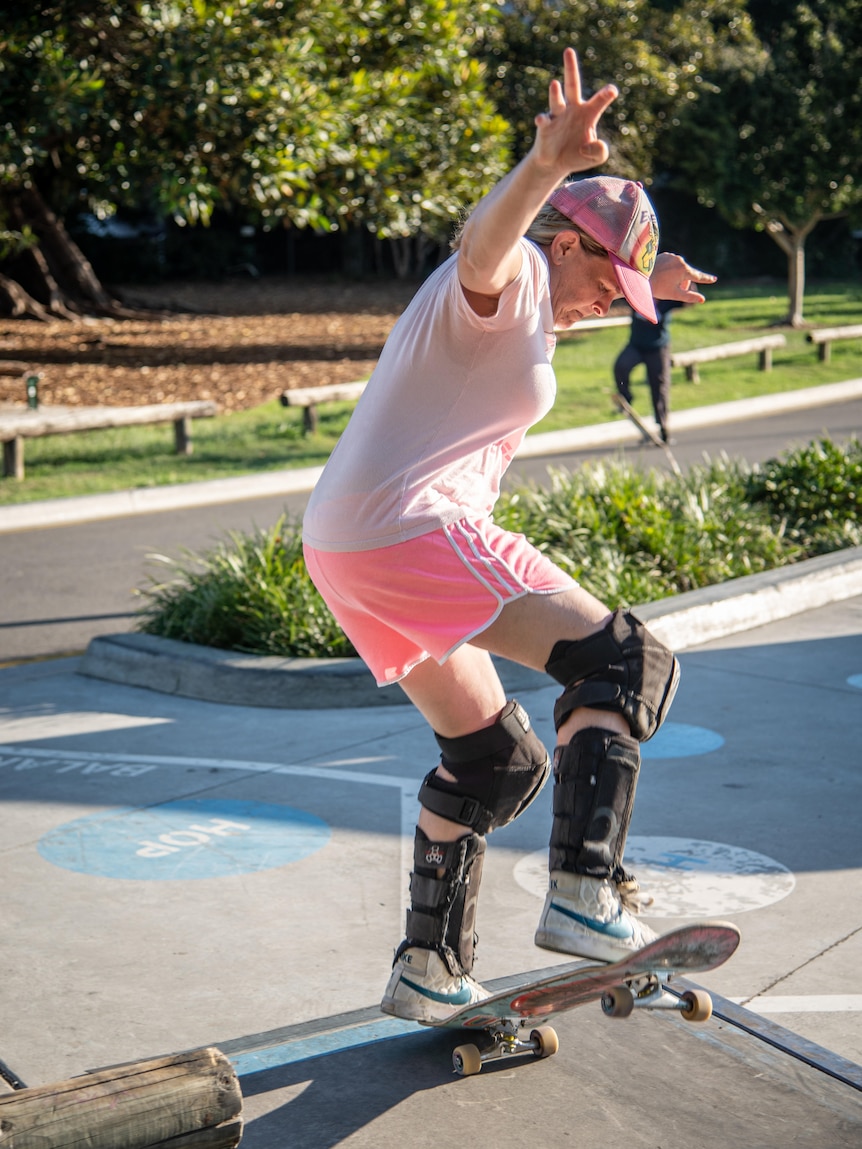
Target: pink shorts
401 604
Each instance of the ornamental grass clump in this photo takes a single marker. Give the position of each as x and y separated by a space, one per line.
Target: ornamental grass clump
251 593
629 536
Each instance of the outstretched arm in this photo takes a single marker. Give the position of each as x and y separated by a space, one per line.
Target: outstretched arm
566 141
672 278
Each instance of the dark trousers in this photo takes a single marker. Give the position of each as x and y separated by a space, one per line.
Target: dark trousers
658 374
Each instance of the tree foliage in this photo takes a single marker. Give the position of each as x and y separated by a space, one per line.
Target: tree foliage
396 115
655 52
322 112
775 143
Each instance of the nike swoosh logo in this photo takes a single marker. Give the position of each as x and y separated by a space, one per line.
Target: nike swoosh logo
460 997
618 928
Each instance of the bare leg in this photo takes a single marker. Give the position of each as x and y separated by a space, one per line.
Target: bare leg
465 693
527 630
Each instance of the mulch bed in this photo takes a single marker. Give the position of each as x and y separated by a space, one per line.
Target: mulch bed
240 343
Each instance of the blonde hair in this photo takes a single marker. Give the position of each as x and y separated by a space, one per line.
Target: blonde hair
548 223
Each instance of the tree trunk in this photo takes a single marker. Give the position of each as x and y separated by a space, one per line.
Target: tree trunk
15 301
791 240
55 278
796 279
71 267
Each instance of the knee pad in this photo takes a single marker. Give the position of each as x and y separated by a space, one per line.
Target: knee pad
622 668
498 770
442 916
595 777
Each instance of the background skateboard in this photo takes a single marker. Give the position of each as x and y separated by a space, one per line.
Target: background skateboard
646 431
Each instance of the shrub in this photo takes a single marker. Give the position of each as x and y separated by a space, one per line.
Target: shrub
817 489
252 594
628 536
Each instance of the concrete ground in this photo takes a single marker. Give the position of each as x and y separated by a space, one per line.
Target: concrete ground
179 873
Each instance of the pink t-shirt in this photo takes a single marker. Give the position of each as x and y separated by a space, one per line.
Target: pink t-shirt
447 406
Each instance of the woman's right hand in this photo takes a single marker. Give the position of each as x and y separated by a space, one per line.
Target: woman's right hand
567 138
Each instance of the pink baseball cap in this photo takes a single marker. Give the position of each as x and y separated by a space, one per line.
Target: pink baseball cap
618 215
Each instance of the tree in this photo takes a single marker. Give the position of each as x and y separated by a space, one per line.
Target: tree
120 102
655 51
420 139
322 113
776 141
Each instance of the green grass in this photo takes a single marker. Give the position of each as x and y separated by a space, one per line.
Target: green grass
270 437
583 363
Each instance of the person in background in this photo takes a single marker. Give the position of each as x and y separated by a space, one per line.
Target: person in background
649 343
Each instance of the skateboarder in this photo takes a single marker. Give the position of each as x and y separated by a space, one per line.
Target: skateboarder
649 343
400 542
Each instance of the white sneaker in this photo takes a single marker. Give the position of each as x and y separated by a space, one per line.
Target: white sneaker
422 988
591 918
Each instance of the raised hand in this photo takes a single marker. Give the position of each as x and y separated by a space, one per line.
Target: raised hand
672 278
567 137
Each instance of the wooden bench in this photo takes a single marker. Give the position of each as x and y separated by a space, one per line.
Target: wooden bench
593 325
16 367
18 425
824 337
308 399
764 345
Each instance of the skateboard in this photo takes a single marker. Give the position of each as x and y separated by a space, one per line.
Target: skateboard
646 431
635 982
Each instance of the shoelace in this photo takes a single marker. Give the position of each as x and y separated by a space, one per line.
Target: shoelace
632 896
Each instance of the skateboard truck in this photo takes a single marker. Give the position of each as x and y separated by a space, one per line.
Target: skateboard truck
506 1041
620 1001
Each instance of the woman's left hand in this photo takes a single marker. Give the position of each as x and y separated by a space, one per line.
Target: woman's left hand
672 278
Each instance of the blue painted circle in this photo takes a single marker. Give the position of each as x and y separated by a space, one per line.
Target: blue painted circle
855 680
185 840
677 740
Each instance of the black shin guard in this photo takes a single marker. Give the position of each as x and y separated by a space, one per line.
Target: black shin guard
443 913
594 790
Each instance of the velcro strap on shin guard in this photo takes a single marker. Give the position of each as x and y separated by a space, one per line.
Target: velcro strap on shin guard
594 789
442 916
498 772
622 668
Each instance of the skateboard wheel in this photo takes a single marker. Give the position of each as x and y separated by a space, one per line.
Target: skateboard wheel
697 1005
618 1002
547 1042
467 1060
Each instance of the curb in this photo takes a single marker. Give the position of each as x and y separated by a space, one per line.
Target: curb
684 621
151 500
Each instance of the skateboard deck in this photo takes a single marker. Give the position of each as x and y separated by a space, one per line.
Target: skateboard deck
636 981
646 431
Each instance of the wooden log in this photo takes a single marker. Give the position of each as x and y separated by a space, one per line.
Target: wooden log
763 345
15 367
309 397
824 337
33 424
186 1101
13 458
